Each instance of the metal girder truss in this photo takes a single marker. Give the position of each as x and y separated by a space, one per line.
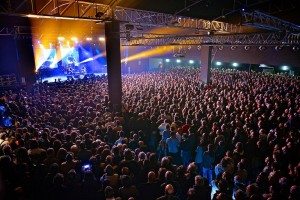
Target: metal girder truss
58 9
167 20
262 20
96 11
15 30
254 39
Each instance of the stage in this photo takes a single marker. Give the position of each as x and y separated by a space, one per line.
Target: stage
58 78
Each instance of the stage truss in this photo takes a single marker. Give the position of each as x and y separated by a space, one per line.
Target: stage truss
220 33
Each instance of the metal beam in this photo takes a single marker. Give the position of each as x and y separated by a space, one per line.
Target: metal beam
150 18
126 15
253 39
264 21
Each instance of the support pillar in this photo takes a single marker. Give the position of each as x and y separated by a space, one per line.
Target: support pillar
205 57
113 57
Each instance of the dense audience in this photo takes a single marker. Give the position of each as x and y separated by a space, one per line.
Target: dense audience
175 138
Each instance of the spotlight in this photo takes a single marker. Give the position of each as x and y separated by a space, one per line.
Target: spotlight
285 68
179 55
218 63
278 48
89 39
199 47
233 47
61 38
220 48
296 48
178 61
247 48
167 60
139 27
262 48
129 27
101 39
191 62
235 64
99 14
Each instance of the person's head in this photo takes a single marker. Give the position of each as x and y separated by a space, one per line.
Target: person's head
169 176
169 189
252 189
126 181
69 157
227 164
151 177
239 195
222 185
109 170
109 192
58 179
199 180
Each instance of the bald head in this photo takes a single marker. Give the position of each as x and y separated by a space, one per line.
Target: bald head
169 190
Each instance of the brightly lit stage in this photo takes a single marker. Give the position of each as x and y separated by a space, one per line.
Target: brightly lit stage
62 78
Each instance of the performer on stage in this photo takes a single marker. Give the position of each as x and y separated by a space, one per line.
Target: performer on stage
83 70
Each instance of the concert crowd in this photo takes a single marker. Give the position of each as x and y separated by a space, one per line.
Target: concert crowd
237 137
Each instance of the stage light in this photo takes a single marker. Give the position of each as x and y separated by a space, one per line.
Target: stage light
129 27
99 14
89 39
233 47
235 64
191 61
74 39
263 65
247 48
178 61
218 63
61 38
50 44
262 48
285 68
101 38
278 48
167 60
296 48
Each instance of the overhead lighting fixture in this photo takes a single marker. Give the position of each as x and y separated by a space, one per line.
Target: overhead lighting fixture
102 39
191 62
296 48
218 63
167 60
247 48
129 27
233 47
59 17
262 48
61 38
74 39
179 55
89 39
278 48
139 27
235 64
220 48
99 14
178 61
285 68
